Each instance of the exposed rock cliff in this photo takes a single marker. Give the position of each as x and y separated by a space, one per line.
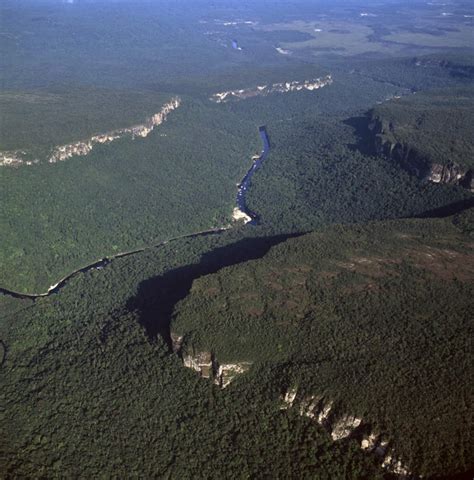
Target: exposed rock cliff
387 143
64 152
228 371
84 147
206 364
262 90
15 159
322 410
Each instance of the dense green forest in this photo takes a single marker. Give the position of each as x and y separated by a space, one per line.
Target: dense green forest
104 203
316 174
181 179
436 124
421 72
92 376
41 119
84 356
377 317
122 196
341 287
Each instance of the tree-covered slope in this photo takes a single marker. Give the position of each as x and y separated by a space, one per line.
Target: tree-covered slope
316 175
37 120
436 125
122 196
181 179
86 392
375 317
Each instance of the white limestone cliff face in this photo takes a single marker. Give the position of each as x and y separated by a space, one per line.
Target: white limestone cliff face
206 364
324 412
65 152
369 442
452 173
84 147
288 398
293 86
344 426
395 466
321 410
200 362
228 371
14 159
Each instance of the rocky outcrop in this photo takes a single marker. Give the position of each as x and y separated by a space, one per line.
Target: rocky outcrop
177 342
288 398
451 173
344 426
201 362
228 371
385 143
395 466
369 442
206 364
240 216
65 152
15 158
84 147
341 425
263 90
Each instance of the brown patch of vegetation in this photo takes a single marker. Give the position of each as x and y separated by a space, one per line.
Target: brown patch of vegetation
254 311
444 263
211 291
374 267
327 275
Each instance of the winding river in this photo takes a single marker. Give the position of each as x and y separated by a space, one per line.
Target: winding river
245 183
99 264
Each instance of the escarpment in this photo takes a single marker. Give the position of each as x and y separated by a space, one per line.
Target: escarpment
323 411
84 147
387 142
428 134
206 364
263 90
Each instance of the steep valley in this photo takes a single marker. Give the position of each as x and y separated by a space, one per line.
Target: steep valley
236 239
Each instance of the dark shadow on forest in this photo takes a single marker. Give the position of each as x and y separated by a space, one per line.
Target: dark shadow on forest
3 353
157 297
364 142
448 210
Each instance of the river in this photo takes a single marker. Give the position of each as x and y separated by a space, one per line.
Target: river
99 264
245 183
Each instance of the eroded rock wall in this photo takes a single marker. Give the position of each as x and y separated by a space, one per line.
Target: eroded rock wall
342 425
84 147
262 90
386 143
206 364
